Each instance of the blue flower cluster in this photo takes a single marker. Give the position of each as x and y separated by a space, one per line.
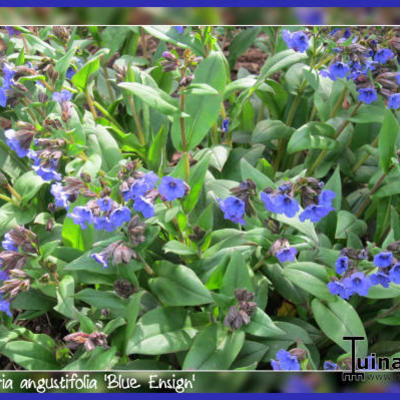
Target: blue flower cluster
298 41
71 71
233 209
285 361
8 75
357 282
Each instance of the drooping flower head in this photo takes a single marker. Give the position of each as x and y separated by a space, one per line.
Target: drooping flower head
380 278
337 288
394 273
342 264
19 141
62 97
358 283
233 209
8 243
145 206
286 254
287 205
297 41
81 216
60 196
383 55
172 188
383 259
338 70
394 101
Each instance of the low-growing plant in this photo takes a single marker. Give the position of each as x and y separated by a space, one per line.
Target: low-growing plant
170 202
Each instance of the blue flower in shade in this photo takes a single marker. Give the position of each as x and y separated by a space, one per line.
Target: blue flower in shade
71 71
287 205
367 95
179 29
394 273
4 276
120 215
380 278
62 97
12 31
269 202
8 243
398 78
8 75
338 70
81 216
297 41
337 288
394 101
233 209
61 198
358 283
341 264
103 224
172 188
286 254
47 173
101 258
141 186
5 307
225 125
383 55
334 30
347 33
3 97
105 204
145 206
285 361
15 143
330 366
383 259
285 187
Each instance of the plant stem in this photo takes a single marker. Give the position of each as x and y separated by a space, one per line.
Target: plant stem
14 192
339 102
106 76
367 199
337 134
90 103
147 267
140 133
364 157
183 132
261 262
107 114
8 199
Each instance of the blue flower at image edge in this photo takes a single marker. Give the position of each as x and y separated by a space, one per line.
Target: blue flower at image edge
394 101
285 361
297 41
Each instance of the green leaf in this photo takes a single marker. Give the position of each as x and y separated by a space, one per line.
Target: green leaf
80 79
213 349
313 135
28 184
306 227
111 154
196 179
161 331
338 319
103 300
251 352
249 172
237 275
74 236
280 61
31 356
262 325
131 315
179 248
387 139
96 360
65 297
346 223
241 42
155 98
177 285
270 129
309 283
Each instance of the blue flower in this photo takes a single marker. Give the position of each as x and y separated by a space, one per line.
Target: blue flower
120 215
141 186
315 212
337 288
297 41
61 198
358 283
7 77
179 29
71 70
8 243
5 307
342 264
394 101
286 254
269 202
338 70
4 276
105 204
101 258
12 31
367 95
103 224
47 173
3 97
287 205
17 142
310 15
398 78
380 278
62 97
383 259
233 209
285 361
225 125
145 206
325 198
81 216
172 188
383 55
394 273
330 366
